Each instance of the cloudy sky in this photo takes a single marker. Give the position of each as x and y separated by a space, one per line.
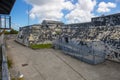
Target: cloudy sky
68 11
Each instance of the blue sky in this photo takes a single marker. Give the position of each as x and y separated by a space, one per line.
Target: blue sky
68 11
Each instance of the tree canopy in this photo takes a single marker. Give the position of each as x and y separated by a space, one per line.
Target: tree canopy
12 31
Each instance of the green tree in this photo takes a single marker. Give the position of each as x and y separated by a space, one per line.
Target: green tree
7 32
12 31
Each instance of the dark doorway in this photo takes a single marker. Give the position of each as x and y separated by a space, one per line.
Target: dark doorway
66 40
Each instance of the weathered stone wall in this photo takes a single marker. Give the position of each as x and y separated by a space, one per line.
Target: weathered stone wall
39 34
97 39
101 40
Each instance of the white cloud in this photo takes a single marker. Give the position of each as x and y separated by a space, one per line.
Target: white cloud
82 11
79 16
87 5
68 5
52 9
49 9
105 7
32 15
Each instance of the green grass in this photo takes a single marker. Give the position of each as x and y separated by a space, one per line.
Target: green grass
17 79
10 63
40 46
13 79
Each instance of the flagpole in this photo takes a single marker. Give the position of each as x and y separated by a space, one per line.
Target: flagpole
28 15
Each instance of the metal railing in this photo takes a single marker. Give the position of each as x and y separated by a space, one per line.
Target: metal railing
5 71
83 53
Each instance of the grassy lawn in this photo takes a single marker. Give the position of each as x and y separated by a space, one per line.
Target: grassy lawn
40 46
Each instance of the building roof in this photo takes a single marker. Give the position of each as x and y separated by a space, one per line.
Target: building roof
78 23
6 6
51 22
116 14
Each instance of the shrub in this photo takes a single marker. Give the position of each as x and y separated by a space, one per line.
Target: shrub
12 31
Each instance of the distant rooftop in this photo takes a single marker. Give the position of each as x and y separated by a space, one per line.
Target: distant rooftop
116 14
6 6
51 22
